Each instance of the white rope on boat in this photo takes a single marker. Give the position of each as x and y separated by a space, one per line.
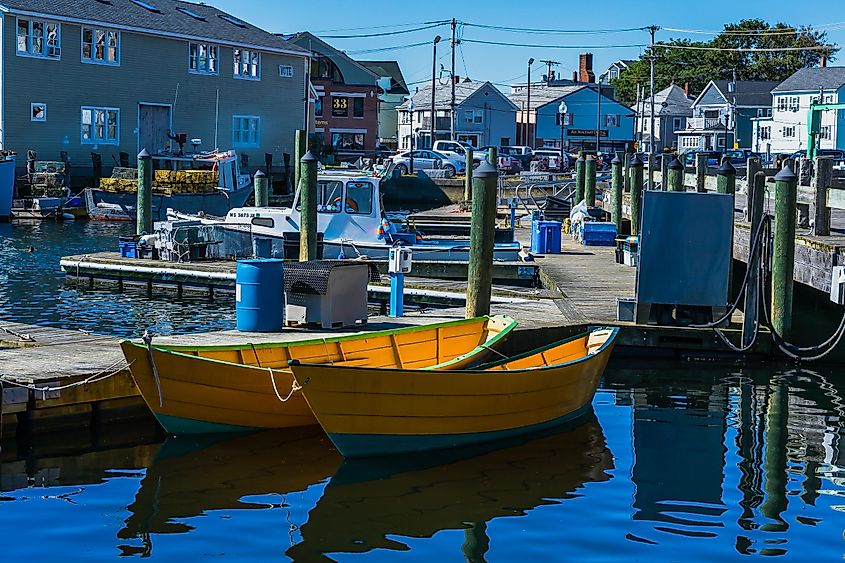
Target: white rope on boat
148 340
293 388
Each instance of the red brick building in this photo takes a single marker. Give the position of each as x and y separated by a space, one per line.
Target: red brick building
346 112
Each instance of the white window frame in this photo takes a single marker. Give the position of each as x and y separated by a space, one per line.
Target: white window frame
237 142
765 133
32 117
93 59
93 140
477 116
238 69
45 49
209 47
783 103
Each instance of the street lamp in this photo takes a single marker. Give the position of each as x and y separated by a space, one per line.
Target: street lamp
411 108
561 110
598 115
433 86
527 139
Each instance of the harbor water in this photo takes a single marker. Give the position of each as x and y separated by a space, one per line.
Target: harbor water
33 291
678 464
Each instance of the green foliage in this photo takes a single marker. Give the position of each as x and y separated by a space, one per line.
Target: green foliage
698 67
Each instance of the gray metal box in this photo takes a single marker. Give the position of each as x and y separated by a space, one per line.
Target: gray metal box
685 248
336 302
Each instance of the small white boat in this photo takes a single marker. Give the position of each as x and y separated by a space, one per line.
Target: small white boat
351 221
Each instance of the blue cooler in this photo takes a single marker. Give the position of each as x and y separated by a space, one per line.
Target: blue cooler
260 295
598 234
545 237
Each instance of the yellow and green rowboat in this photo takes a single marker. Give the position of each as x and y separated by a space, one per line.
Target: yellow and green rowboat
195 390
371 411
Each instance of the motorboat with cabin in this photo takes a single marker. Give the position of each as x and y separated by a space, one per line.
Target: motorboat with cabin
221 187
350 221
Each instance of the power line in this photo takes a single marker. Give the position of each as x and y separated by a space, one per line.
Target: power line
746 49
770 31
372 27
385 33
385 49
534 45
554 31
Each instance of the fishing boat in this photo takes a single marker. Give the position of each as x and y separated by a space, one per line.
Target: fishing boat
369 411
351 221
195 390
230 189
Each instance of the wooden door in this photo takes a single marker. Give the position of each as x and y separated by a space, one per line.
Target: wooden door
153 125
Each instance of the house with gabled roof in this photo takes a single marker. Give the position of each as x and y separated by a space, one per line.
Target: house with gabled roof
483 115
117 76
786 128
392 92
722 114
672 107
347 106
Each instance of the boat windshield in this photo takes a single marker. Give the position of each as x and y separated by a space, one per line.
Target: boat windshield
329 196
359 198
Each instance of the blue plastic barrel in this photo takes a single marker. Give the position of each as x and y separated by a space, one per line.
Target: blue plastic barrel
545 237
260 295
598 234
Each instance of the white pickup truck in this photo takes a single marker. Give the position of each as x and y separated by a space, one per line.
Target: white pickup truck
455 149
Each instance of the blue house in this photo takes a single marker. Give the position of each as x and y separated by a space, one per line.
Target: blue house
615 121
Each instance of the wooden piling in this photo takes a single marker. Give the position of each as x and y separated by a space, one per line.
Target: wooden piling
262 189
308 208
616 184
468 177
579 178
144 215
493 157
300 148
783 254
726 178
756 201
626 172
480 273
700 172
636 194
590 181
821 182
676 176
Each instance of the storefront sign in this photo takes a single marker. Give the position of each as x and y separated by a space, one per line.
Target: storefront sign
586 133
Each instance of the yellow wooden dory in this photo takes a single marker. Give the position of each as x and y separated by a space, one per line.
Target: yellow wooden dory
236 388
370 411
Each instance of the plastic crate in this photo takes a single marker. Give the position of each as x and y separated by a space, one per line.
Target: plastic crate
128 247
598 234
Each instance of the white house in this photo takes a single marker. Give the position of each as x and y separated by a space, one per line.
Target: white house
672 107
786 130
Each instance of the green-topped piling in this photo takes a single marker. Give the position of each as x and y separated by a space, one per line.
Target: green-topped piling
756 200
590 181
726 178
636 193
676 176
301 147
783 255
616 184
262 189
580 178
308 208
482 232
144 215
493 156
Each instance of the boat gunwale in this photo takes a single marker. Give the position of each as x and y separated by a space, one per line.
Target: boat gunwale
603 348
181 351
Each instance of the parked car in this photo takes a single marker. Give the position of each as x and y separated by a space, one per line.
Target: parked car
688 157
456 151
506 163
522 153
427 160
552 159
836 154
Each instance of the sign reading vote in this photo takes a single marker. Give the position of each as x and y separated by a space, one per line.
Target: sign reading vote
585 132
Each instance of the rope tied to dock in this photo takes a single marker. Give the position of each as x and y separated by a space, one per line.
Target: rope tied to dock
293 388
148 340
111 371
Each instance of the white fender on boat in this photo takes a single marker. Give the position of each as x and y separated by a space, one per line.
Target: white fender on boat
68 217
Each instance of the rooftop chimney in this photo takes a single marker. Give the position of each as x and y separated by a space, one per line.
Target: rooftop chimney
823 62
457 79
686 89
574 76
585 68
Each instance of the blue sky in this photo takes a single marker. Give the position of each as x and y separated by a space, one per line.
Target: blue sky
509 64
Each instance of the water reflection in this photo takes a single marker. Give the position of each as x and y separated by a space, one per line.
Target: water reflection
368 504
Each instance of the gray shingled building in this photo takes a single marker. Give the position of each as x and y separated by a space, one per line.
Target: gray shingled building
111 76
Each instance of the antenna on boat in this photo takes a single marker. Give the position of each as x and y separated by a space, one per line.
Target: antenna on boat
217 120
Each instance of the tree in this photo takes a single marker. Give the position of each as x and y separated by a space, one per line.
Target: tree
697 62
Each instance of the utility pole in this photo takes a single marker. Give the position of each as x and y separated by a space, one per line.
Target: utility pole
550 64
528 134
733 109
652 30
452 104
